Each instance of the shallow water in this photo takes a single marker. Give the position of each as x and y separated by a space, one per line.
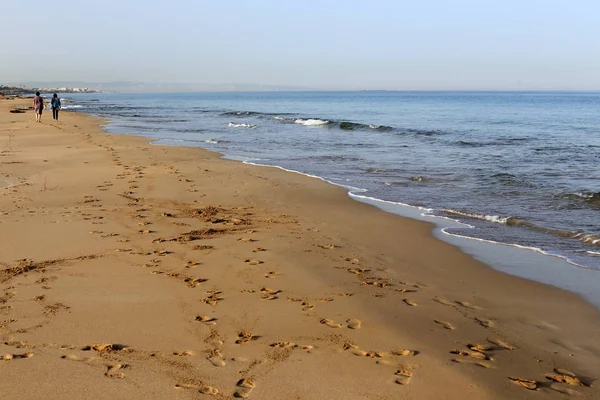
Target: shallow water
515 168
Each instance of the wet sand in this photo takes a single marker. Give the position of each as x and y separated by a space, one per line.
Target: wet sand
129 270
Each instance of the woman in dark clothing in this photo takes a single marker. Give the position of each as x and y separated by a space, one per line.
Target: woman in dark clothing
38 106
55 106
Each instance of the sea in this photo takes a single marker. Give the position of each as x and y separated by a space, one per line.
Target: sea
516 168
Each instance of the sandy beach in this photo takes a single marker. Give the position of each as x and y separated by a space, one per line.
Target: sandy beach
129 270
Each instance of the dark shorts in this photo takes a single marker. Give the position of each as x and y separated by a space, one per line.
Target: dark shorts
39 111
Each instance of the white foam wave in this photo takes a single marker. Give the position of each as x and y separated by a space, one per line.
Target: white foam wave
71 106
428 210
211 141
311 122
594 253
232 125
491 218
536 249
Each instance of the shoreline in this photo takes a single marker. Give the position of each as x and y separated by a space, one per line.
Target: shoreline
341 258
578 279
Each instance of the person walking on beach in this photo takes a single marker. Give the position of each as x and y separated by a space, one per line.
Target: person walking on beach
38 106
55 106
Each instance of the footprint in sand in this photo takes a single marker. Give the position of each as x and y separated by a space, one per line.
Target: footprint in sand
354 349
245 337
379 284
443 301
526 383
354 323
115 371
358 271
307 306
404 376
501 343
216 358
327 246
269 294
409 302
253 262
486 323
475 354
370 354
445 324
481 347
330 323
290 345
247 240
271 274
405 352
203 389
405 290
245 387
206 320
258 250
468 305
104 348
8 357
325 299
183 353
213 298
192 264
194 282
564 376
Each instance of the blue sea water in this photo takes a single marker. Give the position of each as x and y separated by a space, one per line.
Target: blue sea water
518 168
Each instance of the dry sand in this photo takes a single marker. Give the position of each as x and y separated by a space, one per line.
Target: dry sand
135 271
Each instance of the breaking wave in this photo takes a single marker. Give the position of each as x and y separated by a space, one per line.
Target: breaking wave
587 238
311 122
232 125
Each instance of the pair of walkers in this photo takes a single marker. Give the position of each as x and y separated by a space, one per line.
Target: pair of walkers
38 106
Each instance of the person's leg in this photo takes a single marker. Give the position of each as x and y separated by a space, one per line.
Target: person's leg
54 112
57 114
37 116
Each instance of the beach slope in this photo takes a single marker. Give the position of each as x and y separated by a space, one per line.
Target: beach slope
129 270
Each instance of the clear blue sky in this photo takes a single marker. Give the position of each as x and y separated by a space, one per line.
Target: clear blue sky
375 44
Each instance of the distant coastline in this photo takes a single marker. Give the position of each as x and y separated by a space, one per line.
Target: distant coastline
25 91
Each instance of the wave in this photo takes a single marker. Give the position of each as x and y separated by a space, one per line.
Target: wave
507 179
212 141
592 199
191 130
421 132
587 238
70 106
466 143
311 122
232 125
531 248
239 113
483 217
352 126
335 158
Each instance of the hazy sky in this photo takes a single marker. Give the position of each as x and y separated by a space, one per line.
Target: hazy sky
329 44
